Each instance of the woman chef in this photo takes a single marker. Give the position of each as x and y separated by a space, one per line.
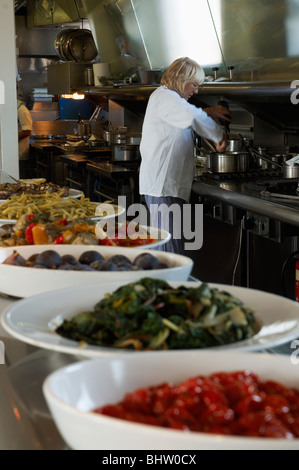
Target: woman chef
167 146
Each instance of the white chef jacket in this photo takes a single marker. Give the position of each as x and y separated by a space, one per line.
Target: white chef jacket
167 148
24 124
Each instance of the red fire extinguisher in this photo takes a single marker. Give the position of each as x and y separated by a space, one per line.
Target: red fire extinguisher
294 259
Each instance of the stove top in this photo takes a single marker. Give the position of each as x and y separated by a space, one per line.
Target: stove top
283 188
267 183
252 175
123 164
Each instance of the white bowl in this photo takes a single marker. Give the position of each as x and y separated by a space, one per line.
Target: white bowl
74 391
161 236
24 282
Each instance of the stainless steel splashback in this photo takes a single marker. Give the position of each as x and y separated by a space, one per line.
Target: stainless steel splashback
50 12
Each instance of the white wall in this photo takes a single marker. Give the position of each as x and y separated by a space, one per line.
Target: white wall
9 159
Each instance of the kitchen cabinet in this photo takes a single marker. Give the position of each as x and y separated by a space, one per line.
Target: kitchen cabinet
221 258
44 160
109 180
73 172
247 237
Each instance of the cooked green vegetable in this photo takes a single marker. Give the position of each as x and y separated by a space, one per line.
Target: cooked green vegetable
150 314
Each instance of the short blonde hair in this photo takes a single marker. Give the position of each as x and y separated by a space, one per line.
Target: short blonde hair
181 72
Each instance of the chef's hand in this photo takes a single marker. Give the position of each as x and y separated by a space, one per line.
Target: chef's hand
219 112
222 145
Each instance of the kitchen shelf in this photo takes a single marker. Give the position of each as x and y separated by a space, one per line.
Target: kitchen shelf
250 88
134 92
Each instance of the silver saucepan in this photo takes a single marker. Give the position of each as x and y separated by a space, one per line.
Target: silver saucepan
290 171
237 145
230 162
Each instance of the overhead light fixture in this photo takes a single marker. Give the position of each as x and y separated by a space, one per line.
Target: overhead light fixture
74 96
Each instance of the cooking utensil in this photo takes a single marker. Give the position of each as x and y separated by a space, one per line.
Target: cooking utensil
210 145
108 137
84 128
133 138
81 45
59 44
230 162
234 145
119 138
237 145
249 149
289 171
262 157
223 122
280 158
5 177
125 153
256 154
75 45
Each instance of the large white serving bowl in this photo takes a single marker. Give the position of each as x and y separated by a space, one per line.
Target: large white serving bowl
75 390
24 282
35 319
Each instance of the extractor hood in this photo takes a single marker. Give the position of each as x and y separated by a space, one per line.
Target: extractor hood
255 40
53 12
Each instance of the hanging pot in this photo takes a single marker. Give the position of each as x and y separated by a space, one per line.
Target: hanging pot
60 42
75 45
81 46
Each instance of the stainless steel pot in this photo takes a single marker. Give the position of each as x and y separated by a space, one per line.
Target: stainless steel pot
230 162
237 145
114 137
234 145
84 129
75 45
119 138
125 153
290 171
280 159
60 42
133 138
108 137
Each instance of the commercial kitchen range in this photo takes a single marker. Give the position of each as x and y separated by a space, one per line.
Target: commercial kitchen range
247 236
90 169
250 219
251 228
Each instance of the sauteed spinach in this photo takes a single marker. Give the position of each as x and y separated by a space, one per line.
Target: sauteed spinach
150 314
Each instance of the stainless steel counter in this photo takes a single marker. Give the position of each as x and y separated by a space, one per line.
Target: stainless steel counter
111 170
239 193
26 423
